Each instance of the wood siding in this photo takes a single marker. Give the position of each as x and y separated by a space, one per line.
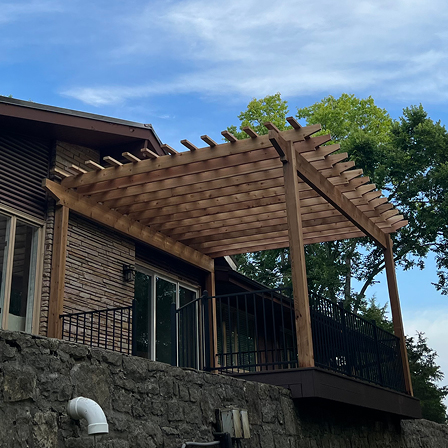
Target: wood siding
24 163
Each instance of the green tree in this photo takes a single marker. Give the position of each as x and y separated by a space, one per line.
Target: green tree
425 373
270 108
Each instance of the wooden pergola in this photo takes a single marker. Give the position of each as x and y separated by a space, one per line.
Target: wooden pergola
272 191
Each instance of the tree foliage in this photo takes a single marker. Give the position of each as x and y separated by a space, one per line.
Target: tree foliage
270 108
408 160
425 375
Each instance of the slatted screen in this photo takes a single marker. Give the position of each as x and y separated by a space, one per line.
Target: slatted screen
24 163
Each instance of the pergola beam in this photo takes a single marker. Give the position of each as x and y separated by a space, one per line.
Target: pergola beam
123 224
320 184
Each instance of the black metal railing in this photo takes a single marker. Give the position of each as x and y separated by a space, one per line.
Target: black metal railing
347 343
251 331
110 329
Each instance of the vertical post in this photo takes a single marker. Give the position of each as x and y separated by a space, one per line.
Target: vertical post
173 335
345 341
207 346
134 328
297 255
213 327
56 302
377 352
396 312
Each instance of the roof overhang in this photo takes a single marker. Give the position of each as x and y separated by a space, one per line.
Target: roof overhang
93 131
229 198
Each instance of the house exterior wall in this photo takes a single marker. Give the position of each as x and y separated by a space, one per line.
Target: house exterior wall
94 268
151 404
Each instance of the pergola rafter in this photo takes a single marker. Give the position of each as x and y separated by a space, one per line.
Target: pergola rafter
230 197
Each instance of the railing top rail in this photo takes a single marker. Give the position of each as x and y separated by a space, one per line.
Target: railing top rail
103 310
278 292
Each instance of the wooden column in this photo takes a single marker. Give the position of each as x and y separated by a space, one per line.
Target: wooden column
57 282
396 311
297 257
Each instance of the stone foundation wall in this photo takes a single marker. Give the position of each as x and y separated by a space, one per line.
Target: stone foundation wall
150 404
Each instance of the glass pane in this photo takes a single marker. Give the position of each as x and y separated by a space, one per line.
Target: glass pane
23 276
4 229
143 314
165 296
188 329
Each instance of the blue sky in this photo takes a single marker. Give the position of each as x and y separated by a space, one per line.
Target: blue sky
190 67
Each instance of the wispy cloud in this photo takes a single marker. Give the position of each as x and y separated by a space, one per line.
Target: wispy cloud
252 48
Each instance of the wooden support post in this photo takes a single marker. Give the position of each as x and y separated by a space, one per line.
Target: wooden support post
396 312
213 330
57 282
297 255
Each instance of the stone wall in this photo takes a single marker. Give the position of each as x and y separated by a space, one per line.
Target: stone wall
150 404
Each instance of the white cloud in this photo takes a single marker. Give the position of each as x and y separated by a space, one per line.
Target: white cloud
252 48
434 323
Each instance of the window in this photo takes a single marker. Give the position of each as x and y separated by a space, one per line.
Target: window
154 295
20 239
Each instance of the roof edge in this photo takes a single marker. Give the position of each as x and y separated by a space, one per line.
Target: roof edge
76 113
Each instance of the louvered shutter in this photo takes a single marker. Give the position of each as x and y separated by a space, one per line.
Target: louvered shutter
23 165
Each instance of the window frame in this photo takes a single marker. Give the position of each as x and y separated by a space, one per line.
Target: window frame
13 216
179 282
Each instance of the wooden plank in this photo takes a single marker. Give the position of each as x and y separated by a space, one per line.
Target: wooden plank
130 157
185 158
94 165
189 145
210 142
112 161
297 256
238 162
57 280
202 199
127 226
250 247
396 311
60 173
191 183
321 152
148 154
76 169
238 216
293 122
242 236
222 196
250 132
319 183
169 149
228 136
312 144
243 249
210 233
334 237
226 204
194 227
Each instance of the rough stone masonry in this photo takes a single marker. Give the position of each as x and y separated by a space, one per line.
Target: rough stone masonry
150 404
